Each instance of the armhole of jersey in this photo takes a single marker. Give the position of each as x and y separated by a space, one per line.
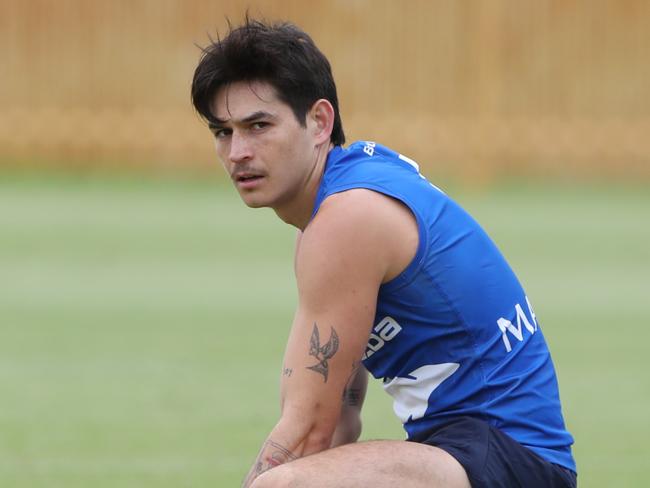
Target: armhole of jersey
407 274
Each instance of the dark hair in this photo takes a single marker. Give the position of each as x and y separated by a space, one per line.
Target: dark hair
279 54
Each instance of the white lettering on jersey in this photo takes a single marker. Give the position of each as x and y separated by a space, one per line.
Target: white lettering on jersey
369 148
506 326
385 331
411 394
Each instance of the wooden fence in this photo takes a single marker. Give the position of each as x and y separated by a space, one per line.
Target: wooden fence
471 87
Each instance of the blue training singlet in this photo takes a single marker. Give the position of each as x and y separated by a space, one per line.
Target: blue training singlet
455 333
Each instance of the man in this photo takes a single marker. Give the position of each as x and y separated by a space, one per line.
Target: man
393 277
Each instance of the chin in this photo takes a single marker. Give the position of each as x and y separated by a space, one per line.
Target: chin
254 202
255 205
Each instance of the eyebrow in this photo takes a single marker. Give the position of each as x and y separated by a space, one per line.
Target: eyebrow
260 114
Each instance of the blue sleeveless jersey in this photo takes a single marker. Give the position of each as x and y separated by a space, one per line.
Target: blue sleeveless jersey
454 333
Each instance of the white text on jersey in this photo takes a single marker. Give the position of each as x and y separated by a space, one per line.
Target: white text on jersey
506 326
383 332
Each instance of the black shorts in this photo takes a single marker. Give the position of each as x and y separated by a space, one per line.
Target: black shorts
493 459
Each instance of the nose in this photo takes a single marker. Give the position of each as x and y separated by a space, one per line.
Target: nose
240 149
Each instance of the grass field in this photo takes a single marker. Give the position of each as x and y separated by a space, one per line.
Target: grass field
142 324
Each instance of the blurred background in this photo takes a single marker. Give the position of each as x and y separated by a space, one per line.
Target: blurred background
478 89
144 309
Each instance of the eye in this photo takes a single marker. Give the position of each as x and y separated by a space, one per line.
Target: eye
259 125
222 132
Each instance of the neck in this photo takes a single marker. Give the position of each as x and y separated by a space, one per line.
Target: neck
297 211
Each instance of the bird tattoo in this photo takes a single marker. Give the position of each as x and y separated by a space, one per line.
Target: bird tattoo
322 353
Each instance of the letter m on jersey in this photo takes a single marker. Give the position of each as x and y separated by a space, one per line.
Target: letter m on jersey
506 326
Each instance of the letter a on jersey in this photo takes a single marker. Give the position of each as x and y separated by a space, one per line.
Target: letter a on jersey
411 394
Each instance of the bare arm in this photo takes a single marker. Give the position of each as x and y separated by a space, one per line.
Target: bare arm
339 269
349 427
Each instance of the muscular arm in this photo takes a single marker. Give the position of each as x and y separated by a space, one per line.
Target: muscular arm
339 268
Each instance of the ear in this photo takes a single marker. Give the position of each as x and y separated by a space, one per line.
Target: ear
320 120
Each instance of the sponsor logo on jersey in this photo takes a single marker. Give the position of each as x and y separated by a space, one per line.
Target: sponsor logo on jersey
385 331
506 326
369 148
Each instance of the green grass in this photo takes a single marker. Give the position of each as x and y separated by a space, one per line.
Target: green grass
142 324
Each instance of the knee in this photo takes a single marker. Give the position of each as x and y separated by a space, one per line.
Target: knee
279 477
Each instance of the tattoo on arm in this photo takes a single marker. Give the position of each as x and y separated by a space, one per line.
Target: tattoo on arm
322 353
287 371
271 455
351 396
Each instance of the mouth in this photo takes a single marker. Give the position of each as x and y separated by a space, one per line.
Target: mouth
247 180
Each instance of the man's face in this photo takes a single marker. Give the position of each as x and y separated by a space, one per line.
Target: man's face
261 144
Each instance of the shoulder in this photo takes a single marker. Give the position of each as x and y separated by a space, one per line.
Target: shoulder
355 213
346 220
358 229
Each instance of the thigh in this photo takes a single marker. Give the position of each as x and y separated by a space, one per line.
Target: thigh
378 464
